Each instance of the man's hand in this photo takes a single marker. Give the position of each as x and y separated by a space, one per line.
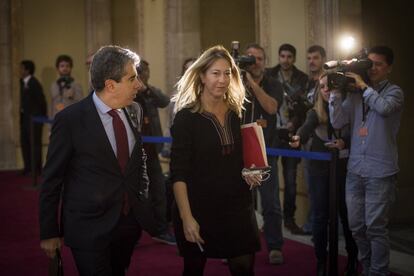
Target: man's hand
49 246
250 80
268 103
359 82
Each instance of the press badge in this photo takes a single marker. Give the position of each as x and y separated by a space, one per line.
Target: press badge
363 131
59 106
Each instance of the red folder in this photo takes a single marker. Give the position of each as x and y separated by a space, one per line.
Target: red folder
254 148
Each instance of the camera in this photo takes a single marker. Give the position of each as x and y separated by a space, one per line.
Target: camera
242 61
284 135
358 64
64 82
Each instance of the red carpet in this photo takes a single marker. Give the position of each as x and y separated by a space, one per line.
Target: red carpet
20 253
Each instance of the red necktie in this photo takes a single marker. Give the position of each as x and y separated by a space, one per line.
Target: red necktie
122 149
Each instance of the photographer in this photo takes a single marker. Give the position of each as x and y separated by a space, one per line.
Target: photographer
265 96
65 91
374 113
291 115
151 98
317 134
316 57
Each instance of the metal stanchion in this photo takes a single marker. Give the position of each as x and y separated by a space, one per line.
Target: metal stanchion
333 216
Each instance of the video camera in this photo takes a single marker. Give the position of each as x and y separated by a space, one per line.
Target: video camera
242 61
358 64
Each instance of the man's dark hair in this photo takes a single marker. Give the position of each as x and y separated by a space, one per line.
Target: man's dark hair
384 51
255 45
29 66
142 64
109 63
317 48
64 58
187 60
287 47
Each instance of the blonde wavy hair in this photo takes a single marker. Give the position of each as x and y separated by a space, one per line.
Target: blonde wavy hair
190 87
320 104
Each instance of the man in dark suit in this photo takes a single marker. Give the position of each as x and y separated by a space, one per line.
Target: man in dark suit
96 165
32 103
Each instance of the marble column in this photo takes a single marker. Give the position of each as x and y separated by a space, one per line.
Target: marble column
7 120
263 25
98 24
321 17
328 20
183 36
322 24
139 27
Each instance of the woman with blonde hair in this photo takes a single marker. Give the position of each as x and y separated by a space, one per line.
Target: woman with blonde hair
319 135
213 201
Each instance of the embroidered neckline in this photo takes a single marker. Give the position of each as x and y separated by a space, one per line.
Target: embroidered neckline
224 132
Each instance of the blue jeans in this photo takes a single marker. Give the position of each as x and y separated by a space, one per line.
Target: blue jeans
272 213
369 200
290 165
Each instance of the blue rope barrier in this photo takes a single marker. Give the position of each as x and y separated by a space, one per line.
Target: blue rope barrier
156 139
270 151
299 154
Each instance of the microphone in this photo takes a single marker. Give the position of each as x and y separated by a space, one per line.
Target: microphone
354 63
331 64
335 63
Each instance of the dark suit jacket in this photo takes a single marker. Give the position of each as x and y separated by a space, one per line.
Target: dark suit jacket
32 99
82 169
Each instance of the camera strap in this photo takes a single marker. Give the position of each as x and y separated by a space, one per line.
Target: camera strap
365 111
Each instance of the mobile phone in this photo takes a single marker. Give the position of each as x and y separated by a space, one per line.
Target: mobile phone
329 144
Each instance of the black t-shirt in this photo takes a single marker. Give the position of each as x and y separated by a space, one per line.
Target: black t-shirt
254 110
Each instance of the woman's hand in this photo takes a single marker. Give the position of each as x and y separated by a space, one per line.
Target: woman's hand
295 141
253 180
192 230
338 143
49 246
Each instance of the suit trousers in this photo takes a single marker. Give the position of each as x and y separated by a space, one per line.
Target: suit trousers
115 259
26 144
